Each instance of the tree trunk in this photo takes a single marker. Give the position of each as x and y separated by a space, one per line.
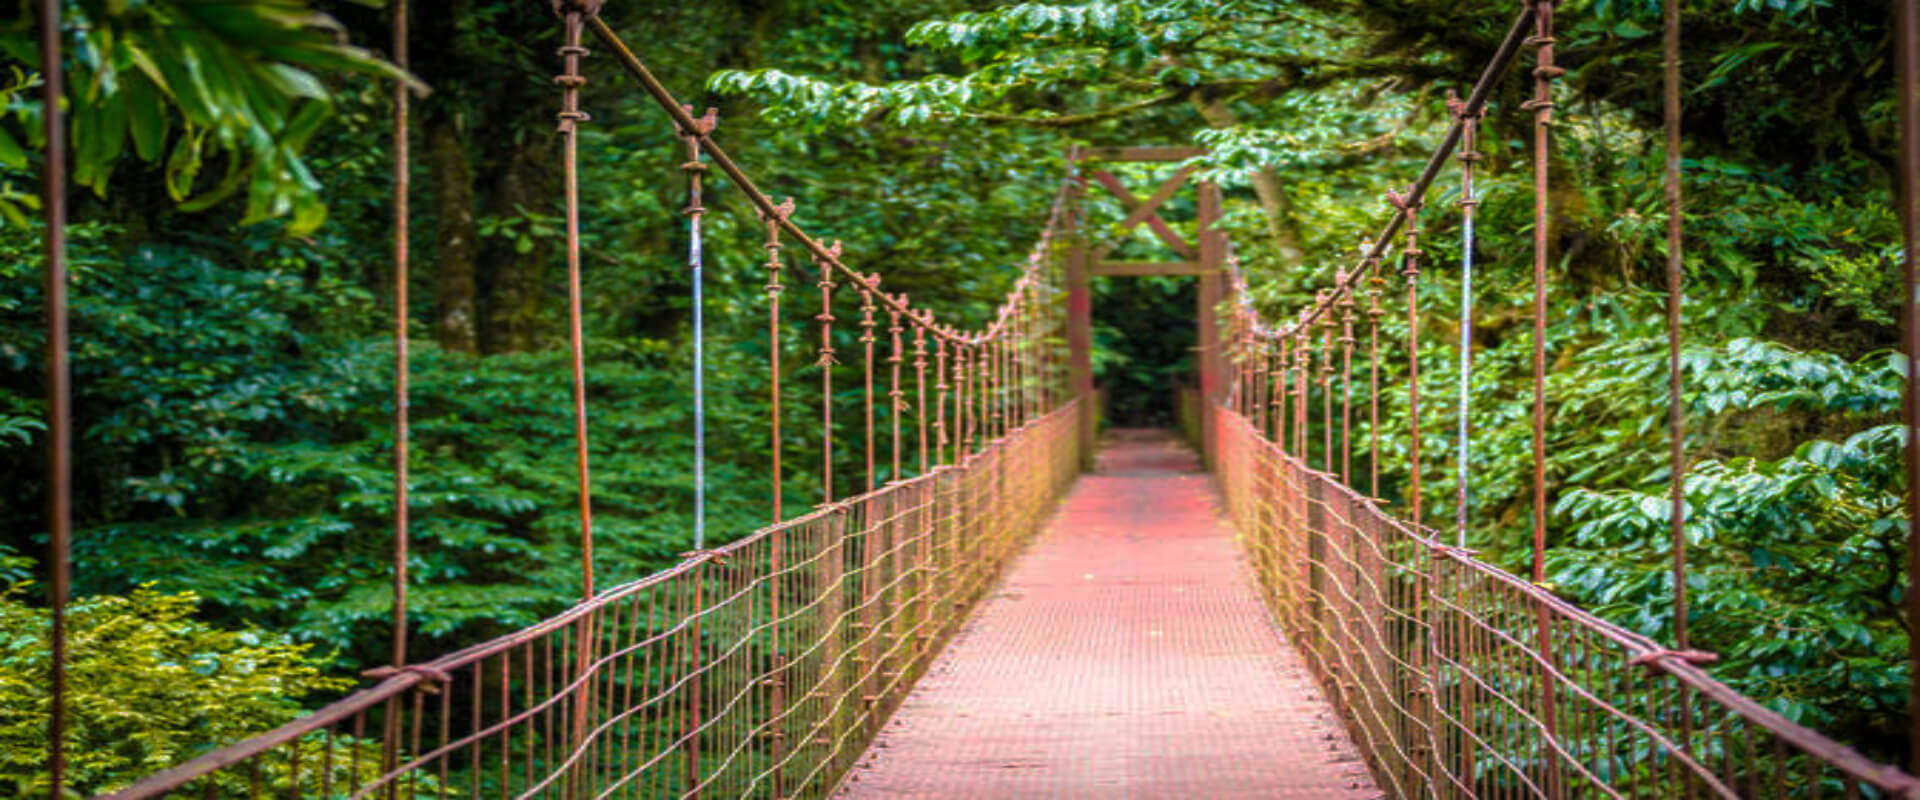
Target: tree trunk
455 325
518 280
1274 203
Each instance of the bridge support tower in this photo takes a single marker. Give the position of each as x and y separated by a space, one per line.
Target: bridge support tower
1203 260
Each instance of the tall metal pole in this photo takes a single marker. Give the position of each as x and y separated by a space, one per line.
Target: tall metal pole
1542 107
574 15
1907 23
53 190
400 367
1676 414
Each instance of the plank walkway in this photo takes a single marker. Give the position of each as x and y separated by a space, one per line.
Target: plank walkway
1126 654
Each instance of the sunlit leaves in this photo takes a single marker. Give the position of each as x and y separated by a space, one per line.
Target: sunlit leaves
149 687
225 95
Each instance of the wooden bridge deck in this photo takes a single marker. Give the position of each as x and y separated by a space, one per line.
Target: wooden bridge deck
1125 655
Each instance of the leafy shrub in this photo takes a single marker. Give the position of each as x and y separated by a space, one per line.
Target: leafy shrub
150 686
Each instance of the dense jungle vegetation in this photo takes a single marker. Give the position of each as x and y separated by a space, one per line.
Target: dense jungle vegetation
232 305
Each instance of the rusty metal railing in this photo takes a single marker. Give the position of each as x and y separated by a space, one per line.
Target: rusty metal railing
1457 679
761 668
758 669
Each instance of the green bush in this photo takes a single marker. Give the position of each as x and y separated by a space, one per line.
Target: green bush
150 687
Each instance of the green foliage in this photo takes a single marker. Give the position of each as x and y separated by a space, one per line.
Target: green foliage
230 85
150 687
234 381
1797 574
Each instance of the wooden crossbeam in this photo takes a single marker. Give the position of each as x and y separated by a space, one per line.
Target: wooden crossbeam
1151 205
1139 268
1140 153
1154 222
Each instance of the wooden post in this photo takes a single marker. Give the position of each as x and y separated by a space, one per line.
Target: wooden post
1080 328
1210 358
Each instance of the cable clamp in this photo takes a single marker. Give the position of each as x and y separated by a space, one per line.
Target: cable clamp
1458 108
434 675
1443 549
1403 202
780 212
718 557
1652 660
571 119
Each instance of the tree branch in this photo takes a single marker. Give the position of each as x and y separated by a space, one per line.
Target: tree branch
1090 117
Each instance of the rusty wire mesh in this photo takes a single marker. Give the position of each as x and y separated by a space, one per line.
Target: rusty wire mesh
1457 679
759 669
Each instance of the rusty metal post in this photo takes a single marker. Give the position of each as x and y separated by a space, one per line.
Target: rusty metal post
1544 74
576 12
773 220
1908 36
401 276
53 198
1676 412
400 367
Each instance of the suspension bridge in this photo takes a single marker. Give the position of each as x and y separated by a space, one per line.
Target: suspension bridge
1002 603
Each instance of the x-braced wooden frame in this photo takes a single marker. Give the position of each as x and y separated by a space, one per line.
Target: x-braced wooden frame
1203 261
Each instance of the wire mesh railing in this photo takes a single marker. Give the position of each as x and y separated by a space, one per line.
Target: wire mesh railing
1457 679
758 669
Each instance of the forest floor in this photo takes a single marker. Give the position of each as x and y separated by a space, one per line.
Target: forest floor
1125 654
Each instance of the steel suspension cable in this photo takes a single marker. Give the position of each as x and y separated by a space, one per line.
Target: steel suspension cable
695 210
1469 203
53 199
1377 247
760 200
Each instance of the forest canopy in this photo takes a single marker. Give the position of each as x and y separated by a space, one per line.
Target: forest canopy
232 291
